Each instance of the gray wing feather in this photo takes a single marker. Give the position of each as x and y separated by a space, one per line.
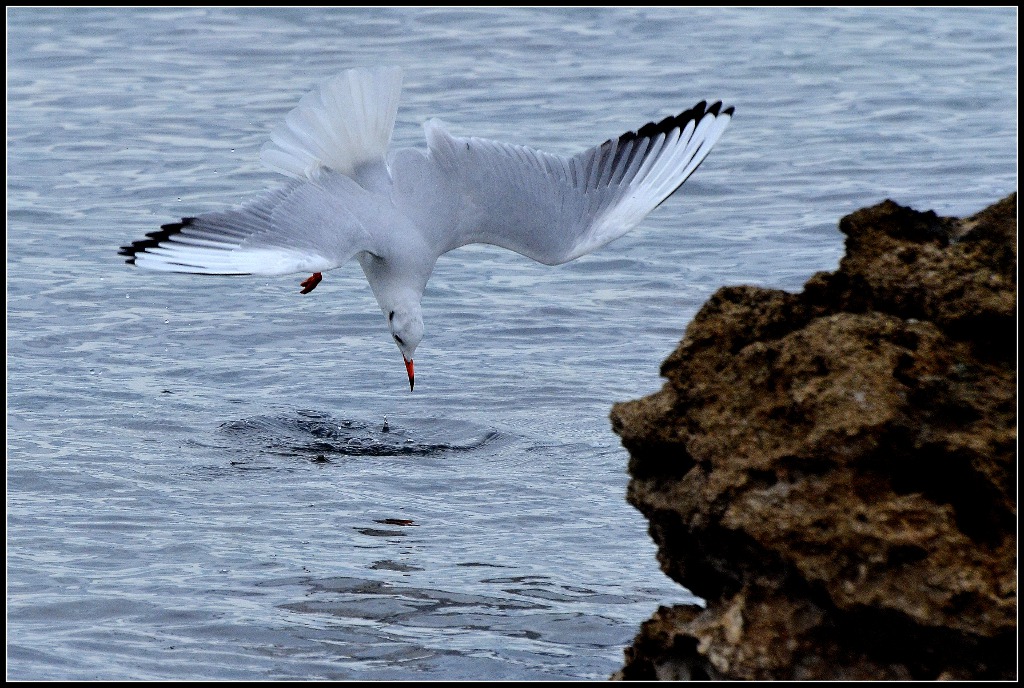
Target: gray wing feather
554 209
307 226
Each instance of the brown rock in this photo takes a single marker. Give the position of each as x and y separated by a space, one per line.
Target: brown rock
834 471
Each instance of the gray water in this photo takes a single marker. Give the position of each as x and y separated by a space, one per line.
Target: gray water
197 482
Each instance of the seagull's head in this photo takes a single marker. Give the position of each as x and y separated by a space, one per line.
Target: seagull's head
406 325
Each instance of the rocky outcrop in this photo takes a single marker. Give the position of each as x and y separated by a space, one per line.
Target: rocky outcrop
834 471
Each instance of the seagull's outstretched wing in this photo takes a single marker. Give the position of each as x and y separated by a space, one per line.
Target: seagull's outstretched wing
555 209
303 227
333 143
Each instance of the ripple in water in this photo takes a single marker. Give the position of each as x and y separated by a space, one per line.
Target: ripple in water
318 436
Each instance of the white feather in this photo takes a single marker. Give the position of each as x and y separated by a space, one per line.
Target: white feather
345 123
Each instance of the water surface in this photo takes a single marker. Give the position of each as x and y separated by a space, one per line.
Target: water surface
198 482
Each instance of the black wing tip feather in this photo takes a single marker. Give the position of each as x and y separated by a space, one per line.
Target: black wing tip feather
672 122
666 126
154 239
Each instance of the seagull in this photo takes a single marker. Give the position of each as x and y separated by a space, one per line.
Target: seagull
397 212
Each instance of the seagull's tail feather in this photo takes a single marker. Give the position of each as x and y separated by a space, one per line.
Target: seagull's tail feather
341 125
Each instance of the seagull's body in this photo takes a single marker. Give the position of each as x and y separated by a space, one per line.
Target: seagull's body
398 212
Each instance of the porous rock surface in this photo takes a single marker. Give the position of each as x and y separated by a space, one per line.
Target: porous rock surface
834 471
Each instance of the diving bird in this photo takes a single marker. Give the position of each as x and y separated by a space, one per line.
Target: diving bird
397 212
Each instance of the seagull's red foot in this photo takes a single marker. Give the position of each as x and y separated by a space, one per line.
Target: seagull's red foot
310 284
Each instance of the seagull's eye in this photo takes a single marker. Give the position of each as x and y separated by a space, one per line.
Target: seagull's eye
398 339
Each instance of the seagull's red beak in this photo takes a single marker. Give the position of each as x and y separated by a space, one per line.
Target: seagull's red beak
412 376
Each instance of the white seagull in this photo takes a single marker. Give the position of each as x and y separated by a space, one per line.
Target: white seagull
398 212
